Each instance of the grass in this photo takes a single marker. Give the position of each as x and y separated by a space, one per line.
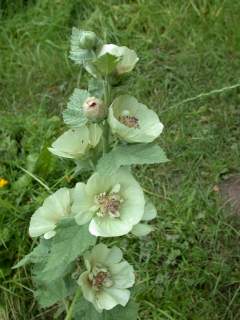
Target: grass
188 269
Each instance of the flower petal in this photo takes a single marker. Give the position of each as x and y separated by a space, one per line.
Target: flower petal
82 201
141 229
120 296
72 144
105 301
150 211
123 275
108 227
87 290
54 208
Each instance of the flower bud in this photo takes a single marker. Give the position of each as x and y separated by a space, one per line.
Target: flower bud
87 40
94 109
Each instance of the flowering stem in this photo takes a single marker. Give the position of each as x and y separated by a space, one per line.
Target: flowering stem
70 310
107 97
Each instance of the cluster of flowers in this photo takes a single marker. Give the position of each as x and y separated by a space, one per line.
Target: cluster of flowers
111 205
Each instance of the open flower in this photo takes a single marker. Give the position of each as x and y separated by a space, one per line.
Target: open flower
75 143
113 204
133 121
54 208
127 57
107 278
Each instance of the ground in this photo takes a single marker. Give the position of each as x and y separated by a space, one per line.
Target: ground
188 269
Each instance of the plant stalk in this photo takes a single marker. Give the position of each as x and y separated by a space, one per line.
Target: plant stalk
70 310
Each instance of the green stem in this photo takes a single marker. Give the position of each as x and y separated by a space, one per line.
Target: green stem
70 309
107 96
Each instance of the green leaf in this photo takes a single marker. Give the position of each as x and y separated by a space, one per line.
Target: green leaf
78 54
38 254
73 115
96 87
106 63
70 242
84 310
48 293
128 155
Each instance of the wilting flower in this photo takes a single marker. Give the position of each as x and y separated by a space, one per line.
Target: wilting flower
94 109
127 57
142 229
107 278
133 121
113 204
74 143
54 208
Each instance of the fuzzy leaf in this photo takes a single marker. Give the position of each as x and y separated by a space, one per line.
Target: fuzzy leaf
84 310
96 88
128 155
38 254
77 54
106 63
70 241
49 293
73 115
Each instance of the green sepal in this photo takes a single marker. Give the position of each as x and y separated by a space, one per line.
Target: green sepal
106 63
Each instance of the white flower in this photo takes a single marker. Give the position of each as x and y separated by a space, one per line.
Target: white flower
54 208
107 278
127 57
113 204
75 143
133 121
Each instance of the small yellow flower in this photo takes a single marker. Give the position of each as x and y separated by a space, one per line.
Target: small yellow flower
3 182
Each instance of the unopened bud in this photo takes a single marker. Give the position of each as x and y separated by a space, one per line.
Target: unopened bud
87 40
94 109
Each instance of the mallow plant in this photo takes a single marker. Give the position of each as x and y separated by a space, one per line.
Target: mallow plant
74 267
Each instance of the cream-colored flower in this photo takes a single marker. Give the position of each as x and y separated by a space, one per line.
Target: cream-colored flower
133 121
75 143
54 208
107 278
112 204
127 57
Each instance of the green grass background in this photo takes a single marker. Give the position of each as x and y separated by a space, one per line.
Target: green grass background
188 269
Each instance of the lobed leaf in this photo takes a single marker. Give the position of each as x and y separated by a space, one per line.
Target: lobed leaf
38 254
48 293
70 242
77 54
127 155
73 115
